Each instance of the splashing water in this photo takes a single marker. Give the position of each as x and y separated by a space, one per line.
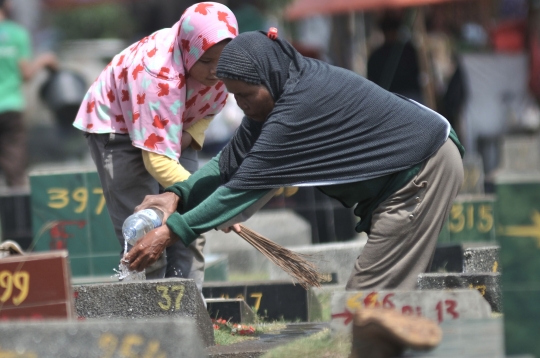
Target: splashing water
124 274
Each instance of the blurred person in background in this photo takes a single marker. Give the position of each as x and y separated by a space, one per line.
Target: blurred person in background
394 65
308 123
16 67
222 128
145 116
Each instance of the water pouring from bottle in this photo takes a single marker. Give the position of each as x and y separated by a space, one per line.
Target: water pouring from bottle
134 228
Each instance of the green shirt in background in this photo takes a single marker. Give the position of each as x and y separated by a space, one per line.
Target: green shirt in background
14 47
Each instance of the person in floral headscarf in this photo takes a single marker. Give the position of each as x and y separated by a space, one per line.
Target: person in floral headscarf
145 115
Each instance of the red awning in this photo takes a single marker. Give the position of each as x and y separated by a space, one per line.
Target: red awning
306 8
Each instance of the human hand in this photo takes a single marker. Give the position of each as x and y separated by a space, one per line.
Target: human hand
48 60
166 202
236 228
149 248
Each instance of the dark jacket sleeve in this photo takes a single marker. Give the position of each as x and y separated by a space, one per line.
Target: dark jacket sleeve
206 204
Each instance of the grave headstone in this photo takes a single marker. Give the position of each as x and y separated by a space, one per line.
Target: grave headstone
216 267
273 300
335 260
468 338
36 286
473 169
69 213
469 257
281 226
488 284
481 258
518 233
471 219
328 219
440 306
145 299
161 338
520 153
234 310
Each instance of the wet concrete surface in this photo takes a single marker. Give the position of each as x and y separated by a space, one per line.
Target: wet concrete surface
256 348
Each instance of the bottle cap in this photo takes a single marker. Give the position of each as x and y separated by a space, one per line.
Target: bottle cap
272 33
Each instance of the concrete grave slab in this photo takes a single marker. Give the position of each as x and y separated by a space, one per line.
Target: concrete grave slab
440 306
273 300
173 297
469 257
234 310
520 153
334 258
282 226
481 258
160 338
488 284
468 338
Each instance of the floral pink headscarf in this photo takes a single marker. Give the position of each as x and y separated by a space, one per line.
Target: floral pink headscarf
146 91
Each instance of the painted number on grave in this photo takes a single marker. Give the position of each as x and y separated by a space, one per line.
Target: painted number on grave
176 294
449 307
16 354
59 198
525 231
444 308
16 286
129 346
469 216
480 288
256 295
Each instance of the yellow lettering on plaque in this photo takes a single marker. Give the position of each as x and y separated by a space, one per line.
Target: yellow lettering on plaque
480 288
532 231
14 354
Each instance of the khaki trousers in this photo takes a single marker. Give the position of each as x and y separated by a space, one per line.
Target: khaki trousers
405 227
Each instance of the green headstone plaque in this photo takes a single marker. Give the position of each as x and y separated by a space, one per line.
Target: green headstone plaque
518 232
471 219
69 213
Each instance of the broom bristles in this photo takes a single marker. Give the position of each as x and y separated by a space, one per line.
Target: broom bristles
296 265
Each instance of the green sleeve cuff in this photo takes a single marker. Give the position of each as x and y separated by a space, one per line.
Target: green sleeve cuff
177 190
177 224
198 186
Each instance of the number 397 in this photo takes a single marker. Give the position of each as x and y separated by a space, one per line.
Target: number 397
59 198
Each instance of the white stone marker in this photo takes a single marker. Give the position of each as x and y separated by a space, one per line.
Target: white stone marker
437 305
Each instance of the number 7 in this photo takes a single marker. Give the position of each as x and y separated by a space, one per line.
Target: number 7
101 203
258 298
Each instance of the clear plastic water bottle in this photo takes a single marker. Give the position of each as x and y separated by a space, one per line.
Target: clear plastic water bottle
139 224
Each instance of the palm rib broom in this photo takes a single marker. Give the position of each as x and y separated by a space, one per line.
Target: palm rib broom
296 265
